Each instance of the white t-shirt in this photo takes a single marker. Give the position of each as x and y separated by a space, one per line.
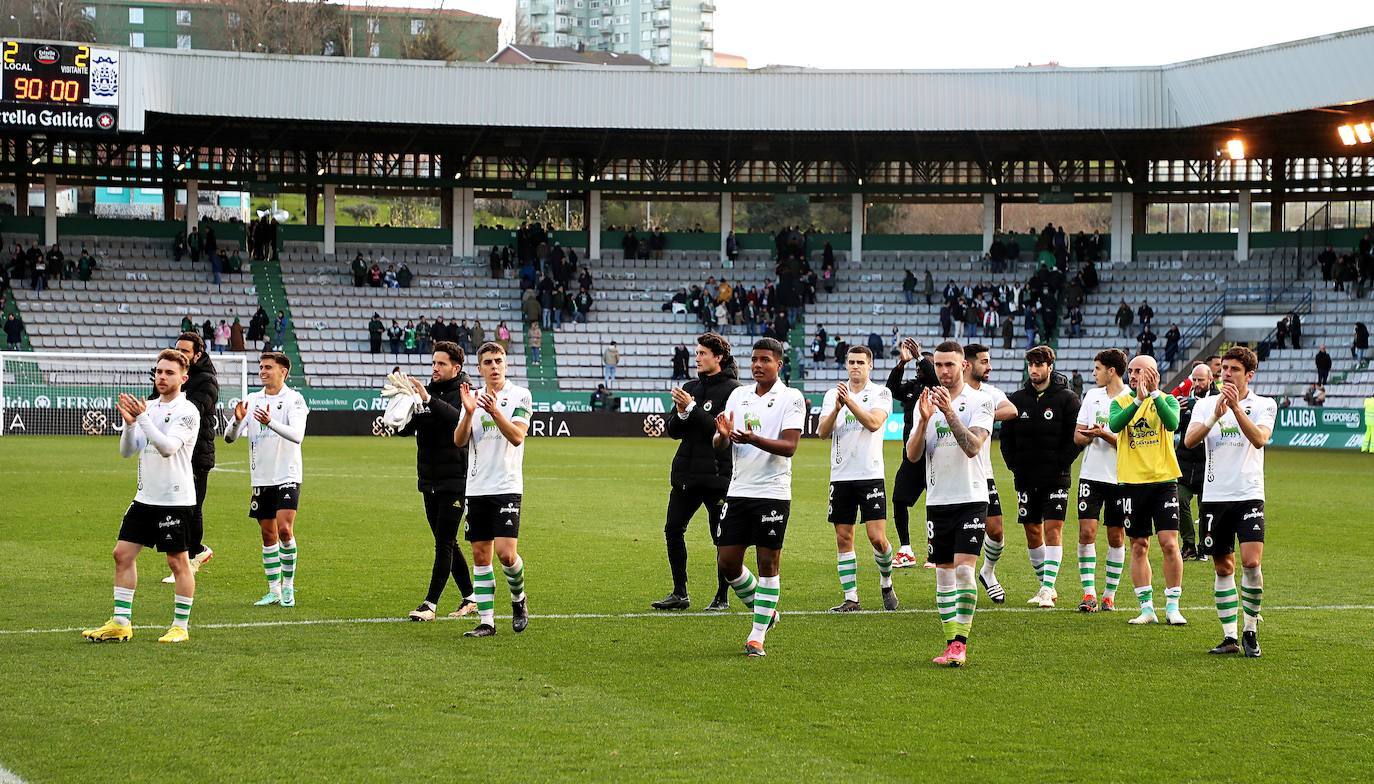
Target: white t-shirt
756 473
985 455
495 465
274 459
1235 468
856 453
1099 459
165 481
953 477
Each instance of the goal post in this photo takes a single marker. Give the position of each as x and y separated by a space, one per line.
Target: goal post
74 393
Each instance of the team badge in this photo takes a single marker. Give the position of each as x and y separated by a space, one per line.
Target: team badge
1049 414
706 406
104 76
770 404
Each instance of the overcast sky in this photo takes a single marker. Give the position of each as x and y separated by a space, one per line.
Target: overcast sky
998 33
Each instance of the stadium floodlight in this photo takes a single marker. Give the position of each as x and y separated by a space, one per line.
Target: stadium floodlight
319 172
1362 133
1235 149
861 180
37 159
1347 134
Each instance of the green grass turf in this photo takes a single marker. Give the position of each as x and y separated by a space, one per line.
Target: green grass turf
1048 695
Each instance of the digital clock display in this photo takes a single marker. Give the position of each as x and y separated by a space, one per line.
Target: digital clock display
58 74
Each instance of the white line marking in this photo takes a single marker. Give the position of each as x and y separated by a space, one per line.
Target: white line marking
8 777
669 614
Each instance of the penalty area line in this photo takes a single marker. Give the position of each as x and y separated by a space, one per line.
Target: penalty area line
8 777
663 614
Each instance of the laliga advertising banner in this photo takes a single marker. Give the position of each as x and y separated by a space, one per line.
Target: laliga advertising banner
1319 428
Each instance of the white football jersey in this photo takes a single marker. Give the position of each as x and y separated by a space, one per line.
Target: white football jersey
756 473
495 465
1235 468
855 451
953 477
164 481
273 459
1099 459
985 455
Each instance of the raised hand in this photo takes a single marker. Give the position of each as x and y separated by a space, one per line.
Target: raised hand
939 397
681 400
419 388
263 415
841 395
926 406
135 405
468 399
240 411
725 424
745 436
122 406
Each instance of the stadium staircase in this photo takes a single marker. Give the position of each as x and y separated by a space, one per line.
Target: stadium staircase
272 298
543 378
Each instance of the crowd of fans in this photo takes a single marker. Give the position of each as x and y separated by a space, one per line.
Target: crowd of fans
379 273
262 333
419 337
36 267
1350 272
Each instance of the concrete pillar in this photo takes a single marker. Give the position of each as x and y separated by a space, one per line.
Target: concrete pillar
49 208
1243 227
727 220
329 220
1123 220
469 199
1278 193
464 241
21 195
593 224
192 205
989 220
856 227
312 206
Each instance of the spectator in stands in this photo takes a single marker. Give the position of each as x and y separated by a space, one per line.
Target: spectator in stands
1075 322
193 244
479 334
973 320
601 398
281 325
375 328
187 325
544 288
1008 332
1032 325
389 277
584 279
1323 365
909 288
991 321
875 344
503 335
680 361
494 263
179 245
236 336
423 335
1171 342
208 244
216 267
394 334
529 307
1124 319
359 270
1359 347
375 276
1326 260
463 337
534 336
38 262
1281 332
207 332
404 276
1295 328
951 292
439 332
1316 396
946 320
1076 382
412 343
610 360
14 331
560 306
1147 340
841 351
222 336
731 247
235 263
1145 313
828 262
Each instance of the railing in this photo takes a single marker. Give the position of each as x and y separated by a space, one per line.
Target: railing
1199 329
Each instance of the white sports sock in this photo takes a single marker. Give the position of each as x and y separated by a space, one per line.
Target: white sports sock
1037 559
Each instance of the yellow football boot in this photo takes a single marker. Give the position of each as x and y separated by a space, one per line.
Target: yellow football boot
112 631
175 634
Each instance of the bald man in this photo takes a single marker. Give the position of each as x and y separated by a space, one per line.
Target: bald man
1145 420
1192 463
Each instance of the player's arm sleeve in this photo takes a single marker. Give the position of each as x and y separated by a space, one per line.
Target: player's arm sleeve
168 443
794 418
294 432
235 429
1167 407
1118 417
894 381
523 407
131 441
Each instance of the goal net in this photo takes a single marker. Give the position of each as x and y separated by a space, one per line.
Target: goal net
74 393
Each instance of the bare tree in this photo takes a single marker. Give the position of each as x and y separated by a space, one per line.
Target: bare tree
434 42
524 32
284 26
57 20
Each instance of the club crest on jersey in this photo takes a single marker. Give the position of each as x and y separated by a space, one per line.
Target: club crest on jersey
706 406
1049 414
770 403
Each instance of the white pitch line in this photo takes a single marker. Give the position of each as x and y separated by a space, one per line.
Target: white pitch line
8 777
668 614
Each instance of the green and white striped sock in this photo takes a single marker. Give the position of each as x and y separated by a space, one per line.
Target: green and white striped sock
1224 590
123 605
288 563
745 586
992 553
1251 593
847 564
515 579
965 600
1037 561
271 566
484 588
1087 567
765 605
945 600
1116 561
181 610
1171 597
884 562
1049 570
1146 597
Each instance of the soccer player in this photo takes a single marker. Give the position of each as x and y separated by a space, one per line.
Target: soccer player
495 420
1192 462
1147 473
1235 426
910 481
1099 499
700 474
441 475
855 413
979 370
202 389
1039 449
275 469
762 424
955 420
163 434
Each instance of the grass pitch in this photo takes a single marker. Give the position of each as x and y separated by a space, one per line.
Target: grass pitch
599 689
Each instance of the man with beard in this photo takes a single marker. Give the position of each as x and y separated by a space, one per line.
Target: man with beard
700 474
1192 462
910 480
202 391
441 470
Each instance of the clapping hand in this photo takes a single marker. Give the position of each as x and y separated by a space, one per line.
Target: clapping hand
939 398
745 436
240 411
841 395
681 400
468 399
129 407
926 406
263 415
725 424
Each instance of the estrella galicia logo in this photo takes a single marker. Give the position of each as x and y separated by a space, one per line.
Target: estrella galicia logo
105 77
45 55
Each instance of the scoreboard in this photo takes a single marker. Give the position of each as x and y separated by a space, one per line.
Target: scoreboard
59 87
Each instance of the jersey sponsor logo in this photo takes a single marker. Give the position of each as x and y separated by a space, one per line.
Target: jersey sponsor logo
1172 503
752 421
509 509
169 522
876 492
1059 495
1253 514
771 517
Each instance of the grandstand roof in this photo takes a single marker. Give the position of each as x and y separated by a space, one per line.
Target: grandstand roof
1326 71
